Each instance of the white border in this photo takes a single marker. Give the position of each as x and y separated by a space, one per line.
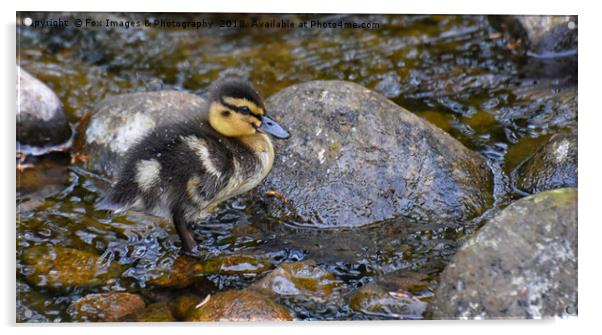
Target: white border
589 157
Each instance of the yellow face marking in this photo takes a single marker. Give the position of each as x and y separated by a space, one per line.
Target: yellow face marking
239 102
231 123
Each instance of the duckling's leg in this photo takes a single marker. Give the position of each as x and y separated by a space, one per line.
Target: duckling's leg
186 236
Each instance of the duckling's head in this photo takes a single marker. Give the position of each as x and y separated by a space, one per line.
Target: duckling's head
236 109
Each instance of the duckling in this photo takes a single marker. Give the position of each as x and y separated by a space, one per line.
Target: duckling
183 170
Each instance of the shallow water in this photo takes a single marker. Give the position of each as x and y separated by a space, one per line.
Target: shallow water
453 71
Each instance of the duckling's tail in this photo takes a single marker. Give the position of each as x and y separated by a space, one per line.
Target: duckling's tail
108 203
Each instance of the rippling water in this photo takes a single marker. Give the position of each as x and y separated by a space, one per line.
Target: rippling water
453 71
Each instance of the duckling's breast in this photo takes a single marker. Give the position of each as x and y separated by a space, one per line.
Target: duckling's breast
263 150
250 167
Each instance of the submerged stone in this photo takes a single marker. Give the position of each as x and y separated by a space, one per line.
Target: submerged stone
183 270
392 296
521 264
180 273
234 265
54 266
299 279
105 307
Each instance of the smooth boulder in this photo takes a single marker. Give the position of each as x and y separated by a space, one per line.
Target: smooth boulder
41 118
355 157
118 122
521 264
553 165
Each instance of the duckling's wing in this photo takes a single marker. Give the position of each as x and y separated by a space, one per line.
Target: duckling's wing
176 165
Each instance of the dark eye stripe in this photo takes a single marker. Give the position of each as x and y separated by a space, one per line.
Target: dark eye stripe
240 109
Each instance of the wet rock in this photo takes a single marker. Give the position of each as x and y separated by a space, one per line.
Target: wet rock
299 279
118 122
521 264
413 282
183 305
183 270
157 312
553 165
392 296
105 307
41 120
355 157
54 266
243 305
179 273
539 33
235 265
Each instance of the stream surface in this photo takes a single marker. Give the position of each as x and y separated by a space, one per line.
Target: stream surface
454 71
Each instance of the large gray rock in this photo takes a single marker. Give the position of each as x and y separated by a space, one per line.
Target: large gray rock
521 264
41 120
354 157
553 165
118 122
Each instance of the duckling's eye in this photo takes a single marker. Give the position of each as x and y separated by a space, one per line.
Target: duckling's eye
245 110
225 113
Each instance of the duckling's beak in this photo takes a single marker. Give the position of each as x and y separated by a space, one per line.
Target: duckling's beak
270 126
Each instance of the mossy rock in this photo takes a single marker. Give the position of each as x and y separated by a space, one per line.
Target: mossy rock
57 267
157 312
243 305
183 305
234 265
183 270
520 264
105 307
179 274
